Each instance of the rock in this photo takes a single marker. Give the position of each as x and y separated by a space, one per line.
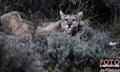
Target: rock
5 19
17 26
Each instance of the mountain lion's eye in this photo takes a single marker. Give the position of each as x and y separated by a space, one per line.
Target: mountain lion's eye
74 19
66 20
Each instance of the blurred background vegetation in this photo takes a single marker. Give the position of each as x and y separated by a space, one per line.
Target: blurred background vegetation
59 53
103 13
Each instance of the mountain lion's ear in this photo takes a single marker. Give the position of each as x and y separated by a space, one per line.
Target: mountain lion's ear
62 15
80 15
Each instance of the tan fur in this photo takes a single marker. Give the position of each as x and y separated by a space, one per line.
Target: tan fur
68 24
53 27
